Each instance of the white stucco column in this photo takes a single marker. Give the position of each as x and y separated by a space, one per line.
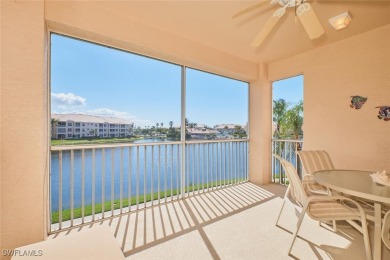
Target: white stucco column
260 114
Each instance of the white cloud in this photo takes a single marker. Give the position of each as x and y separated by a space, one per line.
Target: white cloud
107 112
67 100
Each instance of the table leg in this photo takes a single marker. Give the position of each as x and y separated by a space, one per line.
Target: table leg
377 232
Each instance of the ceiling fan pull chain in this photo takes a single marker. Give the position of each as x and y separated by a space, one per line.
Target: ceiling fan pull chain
298 4
295 12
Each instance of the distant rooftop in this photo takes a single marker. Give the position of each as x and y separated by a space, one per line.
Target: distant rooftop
229 126
205 131
89 118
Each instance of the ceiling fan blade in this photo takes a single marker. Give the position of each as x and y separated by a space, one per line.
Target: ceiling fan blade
310 21
265 30
249 8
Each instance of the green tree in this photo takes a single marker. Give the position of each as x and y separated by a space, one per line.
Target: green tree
53 123
172 133
293 121
93 132
239 132
188 124
138 130
279 110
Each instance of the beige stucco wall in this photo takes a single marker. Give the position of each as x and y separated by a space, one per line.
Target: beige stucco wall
23 123
94 21
354 66
1 3
359 65
24 94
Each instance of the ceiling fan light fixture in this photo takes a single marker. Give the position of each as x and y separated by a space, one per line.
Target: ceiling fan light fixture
340 21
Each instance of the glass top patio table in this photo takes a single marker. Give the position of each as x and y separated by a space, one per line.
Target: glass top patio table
359 184
355 183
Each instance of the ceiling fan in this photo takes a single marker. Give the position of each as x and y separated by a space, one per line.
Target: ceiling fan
303 11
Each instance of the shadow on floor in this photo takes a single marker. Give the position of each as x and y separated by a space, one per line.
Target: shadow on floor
145 228
148 227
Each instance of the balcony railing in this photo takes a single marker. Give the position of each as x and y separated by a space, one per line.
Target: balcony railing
287 149
93 182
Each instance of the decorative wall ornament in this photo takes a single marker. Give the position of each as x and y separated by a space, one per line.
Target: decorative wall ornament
357 101
384 112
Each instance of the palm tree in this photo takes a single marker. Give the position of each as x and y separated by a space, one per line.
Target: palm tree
293 120
192 125
237 129
53 123
161 125
170 124
93 132
279 110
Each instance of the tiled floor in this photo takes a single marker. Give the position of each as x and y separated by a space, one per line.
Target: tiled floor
236 222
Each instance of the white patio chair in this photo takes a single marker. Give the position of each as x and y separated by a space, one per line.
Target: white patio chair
322 208
386 230
313 161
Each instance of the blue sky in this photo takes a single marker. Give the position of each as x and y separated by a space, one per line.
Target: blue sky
290 89
215 100
92 79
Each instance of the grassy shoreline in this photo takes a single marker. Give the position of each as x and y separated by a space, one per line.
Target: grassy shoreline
94 141
77 212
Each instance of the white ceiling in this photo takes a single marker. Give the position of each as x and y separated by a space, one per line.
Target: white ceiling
210 23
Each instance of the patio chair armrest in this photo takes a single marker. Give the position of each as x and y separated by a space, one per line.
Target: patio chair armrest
308 178
333 198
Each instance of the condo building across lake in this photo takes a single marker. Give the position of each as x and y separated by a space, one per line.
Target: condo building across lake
73 126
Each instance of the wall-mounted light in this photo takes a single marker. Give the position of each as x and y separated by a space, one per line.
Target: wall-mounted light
340 21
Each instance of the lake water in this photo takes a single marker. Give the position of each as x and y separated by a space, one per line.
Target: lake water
159 167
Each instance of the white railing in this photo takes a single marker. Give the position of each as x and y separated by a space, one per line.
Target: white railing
93 182
287 149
